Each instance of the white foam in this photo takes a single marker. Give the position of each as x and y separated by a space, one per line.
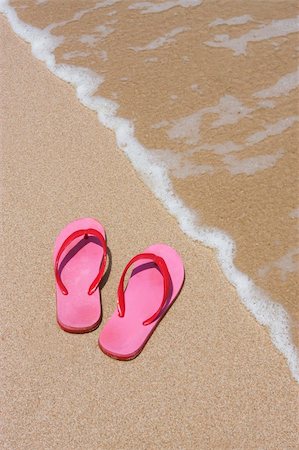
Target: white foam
186 128
104 30
75 54
79 14
223 148
266 104
272 129
89 39
239 45
267 312
249 165
161 40
150 7
253 164
287 264
283 86
229 110
240 20
178 165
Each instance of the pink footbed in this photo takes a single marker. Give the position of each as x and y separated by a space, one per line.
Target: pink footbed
79 265
124 337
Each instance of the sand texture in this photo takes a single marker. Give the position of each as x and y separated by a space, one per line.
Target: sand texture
209 378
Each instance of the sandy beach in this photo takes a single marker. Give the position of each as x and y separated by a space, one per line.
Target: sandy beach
209 378
211 89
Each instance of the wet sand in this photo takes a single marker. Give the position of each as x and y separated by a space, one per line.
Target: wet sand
209 377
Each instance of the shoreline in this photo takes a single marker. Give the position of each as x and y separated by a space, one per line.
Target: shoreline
209 358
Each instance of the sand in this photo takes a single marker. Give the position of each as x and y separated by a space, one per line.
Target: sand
198 83
209 378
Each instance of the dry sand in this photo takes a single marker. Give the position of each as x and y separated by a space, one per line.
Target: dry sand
209 378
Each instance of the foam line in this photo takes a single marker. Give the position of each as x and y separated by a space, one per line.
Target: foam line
266 312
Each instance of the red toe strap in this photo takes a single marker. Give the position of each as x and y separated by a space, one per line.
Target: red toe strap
68 240
166 279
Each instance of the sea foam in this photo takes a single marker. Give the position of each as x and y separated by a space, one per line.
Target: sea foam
283 86
240 20
150 7
277 28
161 40
155 175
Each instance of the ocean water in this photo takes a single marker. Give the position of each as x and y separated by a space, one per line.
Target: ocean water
203 98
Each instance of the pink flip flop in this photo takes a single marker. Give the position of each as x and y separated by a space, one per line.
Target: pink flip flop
155 282
80 255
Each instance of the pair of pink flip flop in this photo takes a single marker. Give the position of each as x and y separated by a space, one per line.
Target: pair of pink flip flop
157 277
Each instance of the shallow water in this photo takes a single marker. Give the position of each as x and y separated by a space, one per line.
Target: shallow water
210 89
